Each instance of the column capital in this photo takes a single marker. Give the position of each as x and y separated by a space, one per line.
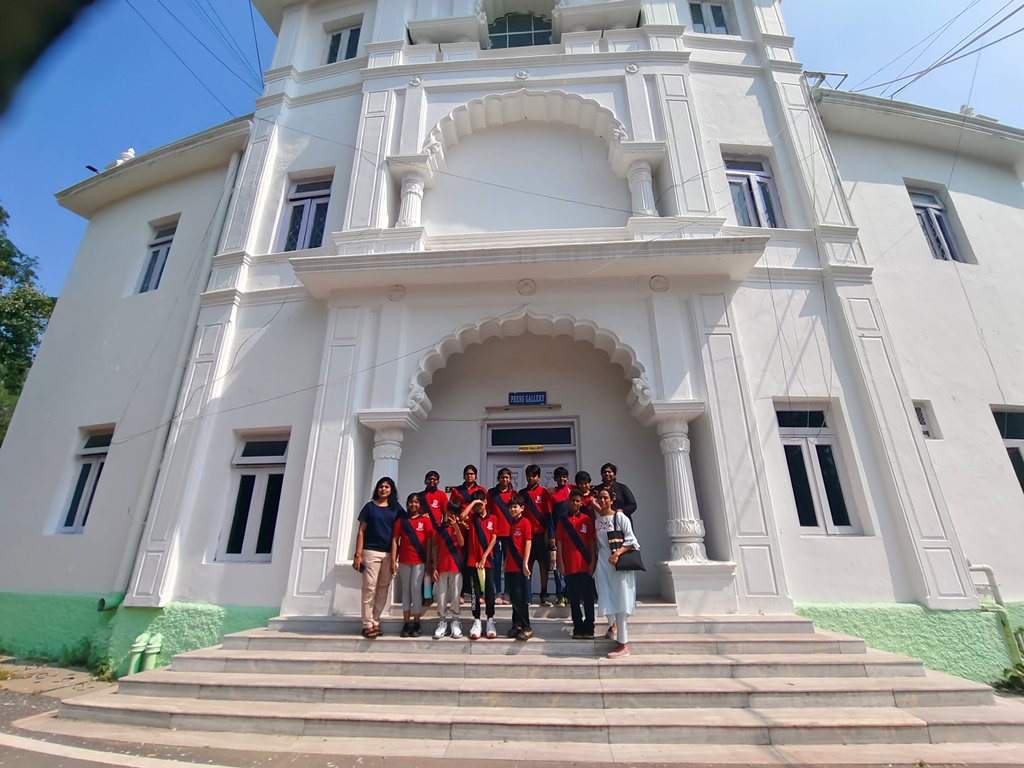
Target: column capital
673 417
386 422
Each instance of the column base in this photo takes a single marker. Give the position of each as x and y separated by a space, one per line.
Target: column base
699 588
348 591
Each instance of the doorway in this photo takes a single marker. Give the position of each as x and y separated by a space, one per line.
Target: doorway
518 443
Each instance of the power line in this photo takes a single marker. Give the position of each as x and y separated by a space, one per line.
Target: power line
255 40
183 63
218 28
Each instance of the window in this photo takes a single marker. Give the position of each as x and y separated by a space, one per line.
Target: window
515 30
259 476
306 215
158 249
923 412
91 459
343 45
816 472
1011 427
708 18
935 223
753 193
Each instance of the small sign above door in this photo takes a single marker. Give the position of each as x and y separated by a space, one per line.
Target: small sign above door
527 398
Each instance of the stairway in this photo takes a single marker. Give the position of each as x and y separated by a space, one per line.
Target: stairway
737 680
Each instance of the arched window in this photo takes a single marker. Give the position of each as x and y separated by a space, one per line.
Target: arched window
514 30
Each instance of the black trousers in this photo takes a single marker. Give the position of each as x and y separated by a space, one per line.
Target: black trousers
579 588
487 593
516 583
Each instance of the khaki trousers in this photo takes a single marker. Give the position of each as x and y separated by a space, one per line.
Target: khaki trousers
376 582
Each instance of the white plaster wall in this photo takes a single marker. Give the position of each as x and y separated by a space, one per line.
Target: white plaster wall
270 387
956 328
108 357
575 375
794 354
525 176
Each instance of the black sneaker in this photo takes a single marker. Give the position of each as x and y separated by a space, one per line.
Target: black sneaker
405 630
514 632
414 631
525 635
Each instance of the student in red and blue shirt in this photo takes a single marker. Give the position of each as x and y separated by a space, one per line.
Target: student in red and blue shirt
538 512
463 494
410 540
583 482
559 507
434 500
517 569
480 542
446 565
497 502
577 560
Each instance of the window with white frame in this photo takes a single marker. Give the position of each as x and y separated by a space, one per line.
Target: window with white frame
754 197
306 215
936 225
516 30
1011 427
816 472
89 466
343 44
709 18
259 475
156 258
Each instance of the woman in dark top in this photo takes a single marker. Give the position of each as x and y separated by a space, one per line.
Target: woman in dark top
373 551
625 502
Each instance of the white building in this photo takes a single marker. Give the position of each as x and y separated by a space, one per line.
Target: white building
787 315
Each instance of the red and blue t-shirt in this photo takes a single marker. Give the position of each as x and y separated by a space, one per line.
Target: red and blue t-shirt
445 539
435 502
498 510
421 527
481 530
520 532
573 558
538 508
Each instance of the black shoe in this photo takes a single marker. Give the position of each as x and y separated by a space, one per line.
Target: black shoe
514 632
405 630
414 631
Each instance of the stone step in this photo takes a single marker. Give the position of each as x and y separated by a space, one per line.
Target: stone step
547 642
640 624
932 690
402 663
777 726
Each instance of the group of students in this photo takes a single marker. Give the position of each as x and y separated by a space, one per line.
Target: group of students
486 542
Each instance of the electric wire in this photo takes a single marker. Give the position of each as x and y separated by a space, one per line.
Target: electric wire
183 62
225 36
255 40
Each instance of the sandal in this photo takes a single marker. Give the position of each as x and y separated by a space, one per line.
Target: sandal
369 633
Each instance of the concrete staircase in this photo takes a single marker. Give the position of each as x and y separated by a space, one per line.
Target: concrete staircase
737 680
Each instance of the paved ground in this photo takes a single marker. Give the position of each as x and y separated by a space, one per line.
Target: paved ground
29 691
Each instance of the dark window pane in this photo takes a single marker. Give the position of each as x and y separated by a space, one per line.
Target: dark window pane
324 185
541 38
92 492
718 18
499 26
236 536
291 242
1018 464
98 441
801 419
353 43
166 232
161 263
1011 424
738 190
268 520
316 232
520 40
147 279
532 436
833 488
499 41
76 498
697 17
801 487
766 201
332 53
520 22
540 23
744 165
265 448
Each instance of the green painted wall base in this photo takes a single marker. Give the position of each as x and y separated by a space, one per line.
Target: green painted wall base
964 643
67 628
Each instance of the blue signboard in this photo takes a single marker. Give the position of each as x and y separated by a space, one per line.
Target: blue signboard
527 398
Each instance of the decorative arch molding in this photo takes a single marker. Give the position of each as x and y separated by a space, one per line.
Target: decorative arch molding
553 106
526 321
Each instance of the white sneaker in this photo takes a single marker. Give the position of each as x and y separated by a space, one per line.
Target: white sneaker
474 633
491 631
442 629
457 630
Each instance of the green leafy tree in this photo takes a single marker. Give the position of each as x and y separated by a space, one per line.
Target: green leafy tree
24 312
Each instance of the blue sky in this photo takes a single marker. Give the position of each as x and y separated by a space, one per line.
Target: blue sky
110 83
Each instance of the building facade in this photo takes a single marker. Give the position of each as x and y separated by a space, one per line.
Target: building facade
788 314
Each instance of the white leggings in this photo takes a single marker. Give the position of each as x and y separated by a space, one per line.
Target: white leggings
410 576
619 620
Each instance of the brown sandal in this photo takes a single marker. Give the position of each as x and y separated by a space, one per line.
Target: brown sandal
371 632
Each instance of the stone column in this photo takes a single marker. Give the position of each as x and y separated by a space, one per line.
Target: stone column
387 453
685 528
641 187
412 200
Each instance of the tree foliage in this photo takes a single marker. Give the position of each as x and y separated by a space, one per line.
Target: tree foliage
24 312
